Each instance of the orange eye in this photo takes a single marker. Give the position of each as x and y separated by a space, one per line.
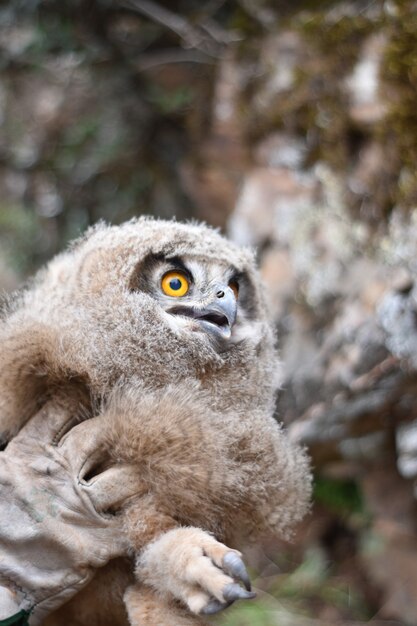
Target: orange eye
235 288
175 284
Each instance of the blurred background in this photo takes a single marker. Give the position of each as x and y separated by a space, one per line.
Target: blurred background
292 126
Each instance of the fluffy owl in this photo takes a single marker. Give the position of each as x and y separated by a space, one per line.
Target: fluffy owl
161 330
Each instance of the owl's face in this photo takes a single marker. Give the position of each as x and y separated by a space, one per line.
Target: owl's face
158 301
211 298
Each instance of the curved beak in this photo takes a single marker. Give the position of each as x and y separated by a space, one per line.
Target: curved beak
217 317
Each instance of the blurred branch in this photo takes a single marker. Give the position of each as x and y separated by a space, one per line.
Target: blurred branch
209 37
205 19
264 16
211 7
171 55
218 33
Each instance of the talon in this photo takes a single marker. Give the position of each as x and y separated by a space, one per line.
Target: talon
214 606
233 592
234 566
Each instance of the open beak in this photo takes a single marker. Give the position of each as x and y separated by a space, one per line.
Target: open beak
217 318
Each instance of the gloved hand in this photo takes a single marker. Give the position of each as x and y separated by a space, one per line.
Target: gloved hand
55 524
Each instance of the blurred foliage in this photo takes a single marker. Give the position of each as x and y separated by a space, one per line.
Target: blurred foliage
87 132
167 102
400 75
19 232
322 98
101 105
299 596
338 495
318 583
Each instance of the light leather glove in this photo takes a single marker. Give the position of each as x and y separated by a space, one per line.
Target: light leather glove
55 525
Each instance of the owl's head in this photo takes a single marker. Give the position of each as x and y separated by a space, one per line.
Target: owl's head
211 298
156 299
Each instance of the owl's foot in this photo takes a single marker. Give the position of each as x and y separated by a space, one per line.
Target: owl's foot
190 565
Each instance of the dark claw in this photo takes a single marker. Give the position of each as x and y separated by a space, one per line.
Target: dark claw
3 443
235 567
214 606
233 592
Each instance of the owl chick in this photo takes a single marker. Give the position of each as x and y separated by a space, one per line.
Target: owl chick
160 330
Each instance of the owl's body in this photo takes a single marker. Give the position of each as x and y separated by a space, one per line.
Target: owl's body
186 397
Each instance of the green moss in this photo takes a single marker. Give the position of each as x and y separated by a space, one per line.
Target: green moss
316 104
399 77
334 46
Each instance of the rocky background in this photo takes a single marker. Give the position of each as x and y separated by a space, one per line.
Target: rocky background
292 126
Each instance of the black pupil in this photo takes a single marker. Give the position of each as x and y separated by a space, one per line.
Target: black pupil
175 284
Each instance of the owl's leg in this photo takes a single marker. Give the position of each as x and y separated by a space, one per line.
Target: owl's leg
190 565
146 608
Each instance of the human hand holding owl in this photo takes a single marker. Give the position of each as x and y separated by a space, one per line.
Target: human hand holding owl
54 530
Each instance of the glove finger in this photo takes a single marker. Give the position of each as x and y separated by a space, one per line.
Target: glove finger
8 603
43 608
48 425
84 446
110 489
108 485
